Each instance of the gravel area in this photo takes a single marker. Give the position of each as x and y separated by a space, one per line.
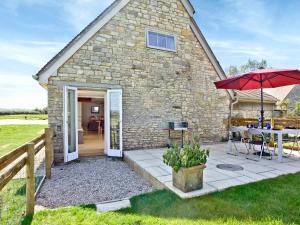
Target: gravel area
90 181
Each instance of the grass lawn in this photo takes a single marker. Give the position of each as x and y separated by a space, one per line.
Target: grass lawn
275 201
12 197
28 117
13 200
13 136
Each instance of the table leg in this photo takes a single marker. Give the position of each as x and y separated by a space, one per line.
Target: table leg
229 145
182 133
280 147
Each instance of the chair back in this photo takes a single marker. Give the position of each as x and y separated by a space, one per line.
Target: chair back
257 133
245 134
234 133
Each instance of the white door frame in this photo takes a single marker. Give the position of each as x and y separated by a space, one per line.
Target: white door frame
108 151
74 155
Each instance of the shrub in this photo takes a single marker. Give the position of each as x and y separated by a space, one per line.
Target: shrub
192 154
36 111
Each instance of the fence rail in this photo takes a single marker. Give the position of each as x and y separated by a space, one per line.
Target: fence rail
13 162
275 122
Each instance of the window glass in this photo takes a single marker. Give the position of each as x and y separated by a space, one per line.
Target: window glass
152 38
161 41
170 42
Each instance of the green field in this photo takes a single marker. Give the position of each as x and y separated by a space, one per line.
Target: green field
269 202
13 136
12 197
28 117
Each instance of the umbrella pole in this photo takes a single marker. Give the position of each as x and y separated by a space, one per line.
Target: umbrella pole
262 112
262 107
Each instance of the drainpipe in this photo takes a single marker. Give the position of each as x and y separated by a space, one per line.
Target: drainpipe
232 103
236 100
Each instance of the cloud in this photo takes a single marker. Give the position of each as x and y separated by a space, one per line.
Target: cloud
249 49
13 6
77 13
80 13
257 18
20 91
33 53
23 59
233 52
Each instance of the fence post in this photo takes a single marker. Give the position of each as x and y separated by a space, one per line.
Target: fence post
48 151
30 180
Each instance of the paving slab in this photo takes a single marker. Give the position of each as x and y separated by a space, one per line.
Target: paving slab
206 190
224 184
113 206
215 179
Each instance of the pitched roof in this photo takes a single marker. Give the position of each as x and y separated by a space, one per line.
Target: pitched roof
57 61
254 95
281 92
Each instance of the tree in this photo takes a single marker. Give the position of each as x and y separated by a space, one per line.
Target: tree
284 104
297 109
249 66
233 70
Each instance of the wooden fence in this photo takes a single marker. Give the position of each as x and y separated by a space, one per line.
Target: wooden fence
13 162
275 122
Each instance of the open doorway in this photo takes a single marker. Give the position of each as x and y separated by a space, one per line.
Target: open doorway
91 114
92 123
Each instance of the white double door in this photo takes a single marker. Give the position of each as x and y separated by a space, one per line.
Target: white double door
113 123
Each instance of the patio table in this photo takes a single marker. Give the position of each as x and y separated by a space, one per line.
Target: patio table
279 133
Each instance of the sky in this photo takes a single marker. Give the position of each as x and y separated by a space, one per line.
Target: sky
33 31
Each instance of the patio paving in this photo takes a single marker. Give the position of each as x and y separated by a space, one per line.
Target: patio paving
149 164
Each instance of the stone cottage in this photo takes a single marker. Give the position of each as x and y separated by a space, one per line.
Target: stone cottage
138 66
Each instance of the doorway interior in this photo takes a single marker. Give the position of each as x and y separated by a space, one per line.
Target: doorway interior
91 123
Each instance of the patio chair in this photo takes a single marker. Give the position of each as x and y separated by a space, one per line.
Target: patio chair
238 137
258 138
291 139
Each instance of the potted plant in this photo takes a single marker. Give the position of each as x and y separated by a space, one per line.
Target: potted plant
188 164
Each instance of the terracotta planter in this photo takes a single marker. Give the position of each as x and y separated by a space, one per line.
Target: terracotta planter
189 179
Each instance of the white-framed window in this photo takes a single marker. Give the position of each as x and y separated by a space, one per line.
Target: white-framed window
161 41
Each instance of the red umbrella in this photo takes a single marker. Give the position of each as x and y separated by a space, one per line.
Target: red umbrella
259 79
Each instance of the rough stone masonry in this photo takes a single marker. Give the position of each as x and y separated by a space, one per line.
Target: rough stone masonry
158 86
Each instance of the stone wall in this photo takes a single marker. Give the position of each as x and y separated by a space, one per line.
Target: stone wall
158 86
251 110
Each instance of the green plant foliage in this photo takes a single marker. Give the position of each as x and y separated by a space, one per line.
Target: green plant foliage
247 67
24 111
192 154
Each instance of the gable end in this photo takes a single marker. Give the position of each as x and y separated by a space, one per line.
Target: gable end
50 69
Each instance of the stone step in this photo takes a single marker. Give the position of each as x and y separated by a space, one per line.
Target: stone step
113 205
